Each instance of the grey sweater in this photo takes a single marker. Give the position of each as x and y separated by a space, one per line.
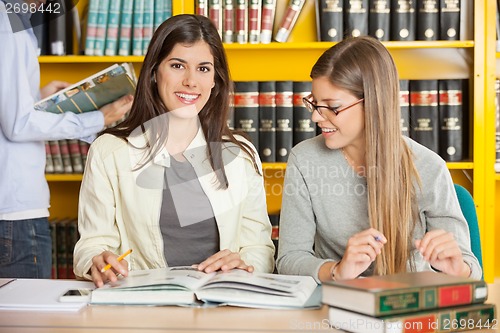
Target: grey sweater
325 203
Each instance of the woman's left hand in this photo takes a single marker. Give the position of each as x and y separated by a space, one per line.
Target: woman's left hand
441 250
53 87
224 260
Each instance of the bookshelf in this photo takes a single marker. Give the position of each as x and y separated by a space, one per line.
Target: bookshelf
470 58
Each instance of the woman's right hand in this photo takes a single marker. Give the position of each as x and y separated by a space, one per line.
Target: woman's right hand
100 261
362 249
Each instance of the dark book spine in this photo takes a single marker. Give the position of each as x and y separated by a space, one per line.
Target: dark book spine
254 20
424 117
451 120
242 21
40 24
449 18
57 29
267 120
427 19
53 236
246 110
331 20
379 20
404 103
355 18
303 127
228 23
62 263
403 20
284 120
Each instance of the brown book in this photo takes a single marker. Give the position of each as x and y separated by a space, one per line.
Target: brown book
254 21
403 293
215 14
202 7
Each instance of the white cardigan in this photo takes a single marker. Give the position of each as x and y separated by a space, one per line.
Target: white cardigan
116 214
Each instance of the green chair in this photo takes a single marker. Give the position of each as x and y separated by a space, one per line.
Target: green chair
469 210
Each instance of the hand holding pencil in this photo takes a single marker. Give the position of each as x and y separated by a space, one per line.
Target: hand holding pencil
107 265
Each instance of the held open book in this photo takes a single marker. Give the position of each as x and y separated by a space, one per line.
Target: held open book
93 92
187 286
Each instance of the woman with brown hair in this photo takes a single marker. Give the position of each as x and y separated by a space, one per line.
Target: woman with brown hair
362 199
172 182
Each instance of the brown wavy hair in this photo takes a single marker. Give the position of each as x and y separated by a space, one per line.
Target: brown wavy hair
185 29
365 68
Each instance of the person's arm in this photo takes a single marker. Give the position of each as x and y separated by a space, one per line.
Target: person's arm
96 214
446 245
257 248
297 226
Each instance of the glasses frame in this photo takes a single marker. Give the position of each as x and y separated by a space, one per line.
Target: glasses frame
311 107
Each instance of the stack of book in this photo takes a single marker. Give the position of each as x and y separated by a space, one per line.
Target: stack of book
409 302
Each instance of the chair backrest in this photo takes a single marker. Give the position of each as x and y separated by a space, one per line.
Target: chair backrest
469 210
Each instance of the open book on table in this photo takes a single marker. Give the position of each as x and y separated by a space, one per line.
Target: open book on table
188 286
93 92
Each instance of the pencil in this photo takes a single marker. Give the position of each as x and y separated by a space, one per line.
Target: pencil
120 258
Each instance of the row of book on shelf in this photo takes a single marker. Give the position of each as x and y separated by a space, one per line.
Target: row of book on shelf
273 115
254 21
123 27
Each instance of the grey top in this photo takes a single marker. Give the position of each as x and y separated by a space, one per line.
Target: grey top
187 222
325 202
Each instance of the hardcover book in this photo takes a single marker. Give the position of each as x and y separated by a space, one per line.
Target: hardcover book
188 286
288 22
93 92
379 20
267 22
449 20
215 14
303 127
242 21
403 20
356 18
404 104
424 117
456 319
246 110
403 293
330 17
284 120
267 120
254 21
427 19
451 120
228 22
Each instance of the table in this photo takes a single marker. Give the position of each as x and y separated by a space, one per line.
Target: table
120 319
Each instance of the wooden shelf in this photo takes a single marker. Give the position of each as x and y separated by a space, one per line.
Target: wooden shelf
64 177
497 176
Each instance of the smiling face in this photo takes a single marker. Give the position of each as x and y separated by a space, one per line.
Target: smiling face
185 79
346 128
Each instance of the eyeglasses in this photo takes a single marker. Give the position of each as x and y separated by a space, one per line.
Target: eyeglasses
311 107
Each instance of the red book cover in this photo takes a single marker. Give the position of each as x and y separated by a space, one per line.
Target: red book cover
288 21
202 8
254 17
215 14
267 21
455 295
228 23
242 21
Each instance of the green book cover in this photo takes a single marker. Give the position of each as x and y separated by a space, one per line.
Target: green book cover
92 93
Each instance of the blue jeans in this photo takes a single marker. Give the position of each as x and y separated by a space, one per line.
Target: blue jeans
25 249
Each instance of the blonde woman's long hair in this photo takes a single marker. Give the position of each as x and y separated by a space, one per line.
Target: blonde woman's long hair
365 68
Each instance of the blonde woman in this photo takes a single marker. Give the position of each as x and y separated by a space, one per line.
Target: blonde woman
360 198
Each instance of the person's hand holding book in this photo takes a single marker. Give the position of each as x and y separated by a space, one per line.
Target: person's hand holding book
53 87
116 110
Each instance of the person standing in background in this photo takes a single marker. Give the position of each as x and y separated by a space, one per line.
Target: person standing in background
25 243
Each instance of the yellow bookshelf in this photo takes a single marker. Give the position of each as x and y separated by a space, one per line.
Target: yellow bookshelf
473 59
